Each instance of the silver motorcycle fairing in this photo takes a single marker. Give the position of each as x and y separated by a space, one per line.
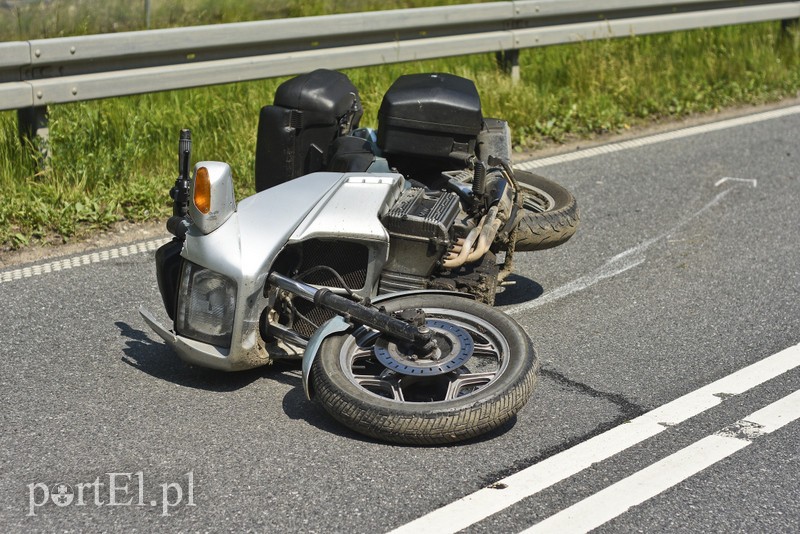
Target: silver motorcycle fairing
244 247
339 324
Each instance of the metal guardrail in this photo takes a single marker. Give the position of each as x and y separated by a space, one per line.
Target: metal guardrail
50 71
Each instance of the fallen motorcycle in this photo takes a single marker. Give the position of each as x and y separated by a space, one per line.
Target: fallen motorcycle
372 255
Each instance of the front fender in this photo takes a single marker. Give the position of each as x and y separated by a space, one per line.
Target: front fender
339 324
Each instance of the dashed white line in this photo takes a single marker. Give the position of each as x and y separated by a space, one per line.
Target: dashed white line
485 502
643 485
78 261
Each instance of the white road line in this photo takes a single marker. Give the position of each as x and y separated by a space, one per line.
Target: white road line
487 501
658 138
77 261
616 499
633 257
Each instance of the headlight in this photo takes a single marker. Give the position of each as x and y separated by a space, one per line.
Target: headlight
206 305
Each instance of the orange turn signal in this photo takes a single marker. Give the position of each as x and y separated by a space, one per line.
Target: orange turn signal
202 191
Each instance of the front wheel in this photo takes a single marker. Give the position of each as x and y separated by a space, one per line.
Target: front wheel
481 375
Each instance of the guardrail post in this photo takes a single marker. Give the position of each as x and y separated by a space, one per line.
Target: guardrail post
789 27
509 62
33 125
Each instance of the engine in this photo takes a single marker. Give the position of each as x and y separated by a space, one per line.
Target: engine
420 229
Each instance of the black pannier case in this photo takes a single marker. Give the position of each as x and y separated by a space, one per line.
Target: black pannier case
294 134
429 121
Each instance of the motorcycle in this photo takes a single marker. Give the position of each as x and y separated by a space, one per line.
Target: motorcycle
373 256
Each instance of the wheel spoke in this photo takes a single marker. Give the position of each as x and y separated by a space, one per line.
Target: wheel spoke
485 350
362 352
487 360
391 386
467 379
537 200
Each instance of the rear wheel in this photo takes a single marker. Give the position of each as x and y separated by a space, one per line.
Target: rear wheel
481 375
550 213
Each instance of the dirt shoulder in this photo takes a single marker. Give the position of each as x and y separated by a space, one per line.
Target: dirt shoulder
119 234
125 232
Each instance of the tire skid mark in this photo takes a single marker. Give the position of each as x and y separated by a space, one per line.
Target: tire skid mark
622 262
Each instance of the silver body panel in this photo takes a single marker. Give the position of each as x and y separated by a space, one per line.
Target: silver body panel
352 214
319 205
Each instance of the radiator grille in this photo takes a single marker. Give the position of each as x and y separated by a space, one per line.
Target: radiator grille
316 260
348 259
316 315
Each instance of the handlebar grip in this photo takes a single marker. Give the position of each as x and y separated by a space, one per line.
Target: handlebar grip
184 152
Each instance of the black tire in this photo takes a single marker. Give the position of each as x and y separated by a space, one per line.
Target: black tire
476 407
550 215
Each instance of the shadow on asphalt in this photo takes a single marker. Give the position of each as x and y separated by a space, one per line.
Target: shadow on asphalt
159 361
520 290
156 359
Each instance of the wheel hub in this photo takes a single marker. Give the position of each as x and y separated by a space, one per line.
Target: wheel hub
454 346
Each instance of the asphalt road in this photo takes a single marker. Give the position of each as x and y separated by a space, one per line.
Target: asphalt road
676 279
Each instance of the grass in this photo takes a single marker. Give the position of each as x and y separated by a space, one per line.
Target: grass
115 159
31 19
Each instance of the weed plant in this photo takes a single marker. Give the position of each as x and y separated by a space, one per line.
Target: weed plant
115 159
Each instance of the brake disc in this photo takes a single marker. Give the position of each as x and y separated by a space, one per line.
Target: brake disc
454 347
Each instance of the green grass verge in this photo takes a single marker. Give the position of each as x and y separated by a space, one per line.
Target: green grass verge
59 18
115 159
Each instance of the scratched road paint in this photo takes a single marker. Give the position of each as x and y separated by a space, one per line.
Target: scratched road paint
622 262
725 179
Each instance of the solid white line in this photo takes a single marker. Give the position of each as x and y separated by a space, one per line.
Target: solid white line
77 261
616 499
510 490
658 138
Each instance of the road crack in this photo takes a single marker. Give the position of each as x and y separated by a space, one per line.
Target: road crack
628 410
